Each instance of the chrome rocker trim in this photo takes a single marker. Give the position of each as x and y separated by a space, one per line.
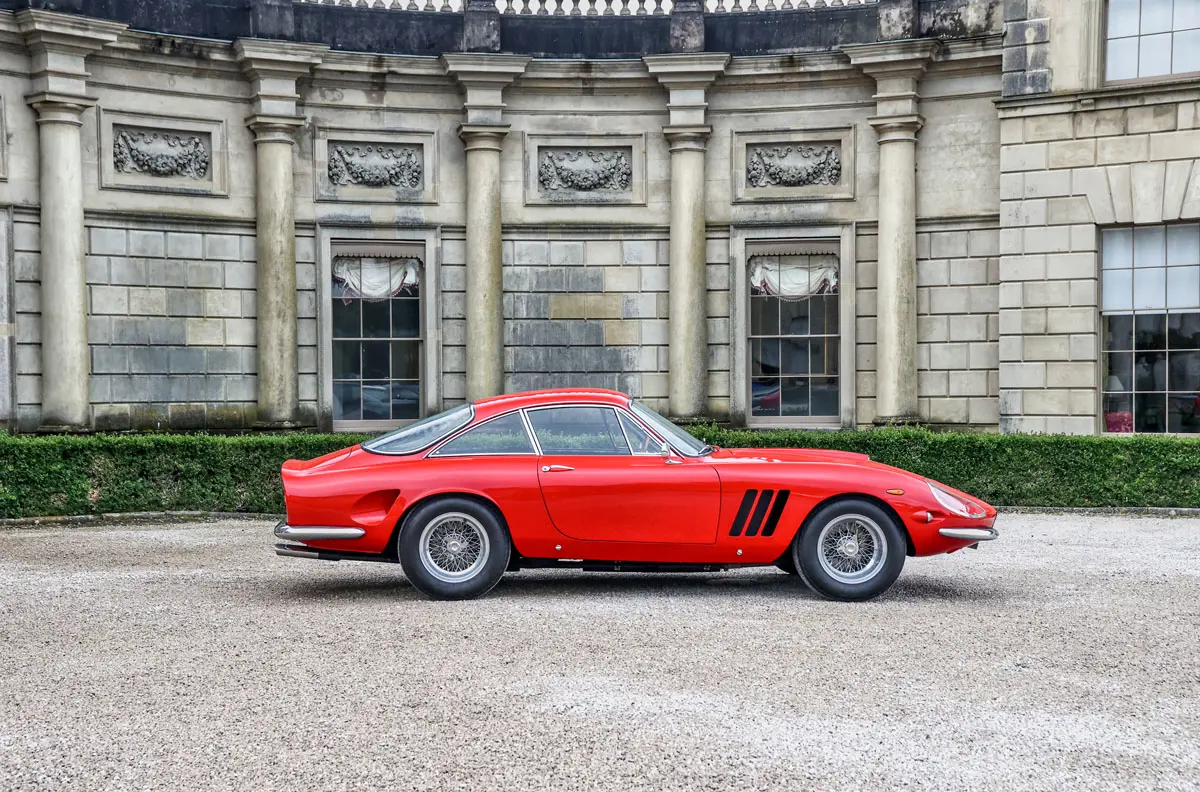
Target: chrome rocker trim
313 533
970 534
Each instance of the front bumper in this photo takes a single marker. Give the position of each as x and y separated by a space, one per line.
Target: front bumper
315 533
970 534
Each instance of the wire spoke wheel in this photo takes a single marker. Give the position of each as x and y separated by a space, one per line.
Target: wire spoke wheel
852 548
454 547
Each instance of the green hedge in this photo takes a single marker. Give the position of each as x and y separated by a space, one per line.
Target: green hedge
42 476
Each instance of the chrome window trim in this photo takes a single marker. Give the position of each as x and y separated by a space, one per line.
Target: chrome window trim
633 419
427 446
673 447
537 447
600 405
436 453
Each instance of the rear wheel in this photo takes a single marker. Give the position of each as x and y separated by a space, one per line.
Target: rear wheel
453 548
850 550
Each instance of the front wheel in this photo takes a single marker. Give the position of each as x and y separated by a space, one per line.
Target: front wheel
453 548
850 550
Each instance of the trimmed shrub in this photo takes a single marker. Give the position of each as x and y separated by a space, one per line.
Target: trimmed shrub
59 475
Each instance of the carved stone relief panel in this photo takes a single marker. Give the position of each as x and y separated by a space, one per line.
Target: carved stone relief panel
585 169
794 165
375 166
151 153
163 154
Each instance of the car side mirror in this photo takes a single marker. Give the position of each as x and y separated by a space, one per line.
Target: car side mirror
664 450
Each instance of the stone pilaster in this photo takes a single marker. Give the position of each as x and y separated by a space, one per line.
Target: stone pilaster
687 78
59 45
483 79
273 68
897 68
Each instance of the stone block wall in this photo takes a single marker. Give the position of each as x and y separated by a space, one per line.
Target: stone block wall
586 312
171 325
26 307
958 325
1070 169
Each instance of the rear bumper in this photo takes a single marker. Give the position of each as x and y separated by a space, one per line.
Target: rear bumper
970 534
316 533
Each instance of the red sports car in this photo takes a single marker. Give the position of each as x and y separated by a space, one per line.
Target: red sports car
592 479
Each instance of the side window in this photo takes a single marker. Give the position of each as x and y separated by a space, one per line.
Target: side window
641 441
578 431
504 435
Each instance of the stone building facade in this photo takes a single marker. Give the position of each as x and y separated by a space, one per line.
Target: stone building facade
273 213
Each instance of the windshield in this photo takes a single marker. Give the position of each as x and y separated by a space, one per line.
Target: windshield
680 440
422 434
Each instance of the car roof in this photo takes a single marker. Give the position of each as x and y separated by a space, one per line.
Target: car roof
485 408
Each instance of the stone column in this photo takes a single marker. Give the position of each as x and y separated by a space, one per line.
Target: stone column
59 45
897 68
483 79
687 78
273 68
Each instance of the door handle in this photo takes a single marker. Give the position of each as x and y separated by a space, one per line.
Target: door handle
556 468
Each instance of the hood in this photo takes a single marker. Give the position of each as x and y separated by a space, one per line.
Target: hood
788 455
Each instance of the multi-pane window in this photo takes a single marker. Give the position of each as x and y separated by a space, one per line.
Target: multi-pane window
1151 315
794 336
376 339
1151 38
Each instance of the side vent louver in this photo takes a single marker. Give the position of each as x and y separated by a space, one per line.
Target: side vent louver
754 512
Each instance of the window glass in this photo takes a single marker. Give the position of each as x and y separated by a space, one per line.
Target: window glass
680 440
421 434
578 431
1152 38
1151 329
376 339
503 435
794 346
641 441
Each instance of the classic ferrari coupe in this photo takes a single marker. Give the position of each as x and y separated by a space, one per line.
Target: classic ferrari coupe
592 479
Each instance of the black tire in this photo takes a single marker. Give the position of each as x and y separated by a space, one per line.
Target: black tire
873 525
481 538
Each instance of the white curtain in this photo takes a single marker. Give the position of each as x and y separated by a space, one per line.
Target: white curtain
377 278
794 277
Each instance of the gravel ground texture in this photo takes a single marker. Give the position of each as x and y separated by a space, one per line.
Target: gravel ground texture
1064 656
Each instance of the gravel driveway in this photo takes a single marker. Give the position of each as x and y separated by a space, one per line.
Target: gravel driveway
1064 656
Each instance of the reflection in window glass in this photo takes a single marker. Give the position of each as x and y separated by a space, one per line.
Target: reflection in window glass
376 339
578 431
503 435
1150 298
640 441
794 346
1152 38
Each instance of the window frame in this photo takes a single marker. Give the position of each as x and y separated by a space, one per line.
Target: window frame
744 242
1102 353
436 452
618 410
1101 8
416 242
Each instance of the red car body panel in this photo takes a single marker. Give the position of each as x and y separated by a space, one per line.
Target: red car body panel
728 507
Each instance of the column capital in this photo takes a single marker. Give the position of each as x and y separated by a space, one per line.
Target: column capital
273 68
483 78
274 129
59 45
687 78
891 129
687 138
485 137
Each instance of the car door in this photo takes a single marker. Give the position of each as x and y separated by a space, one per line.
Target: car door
596 488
